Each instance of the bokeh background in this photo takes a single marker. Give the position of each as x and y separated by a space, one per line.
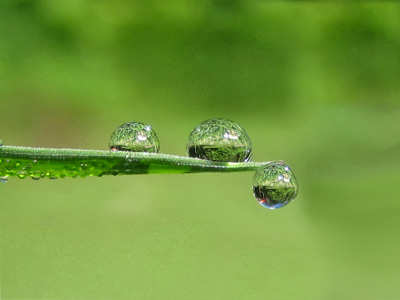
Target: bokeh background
315 84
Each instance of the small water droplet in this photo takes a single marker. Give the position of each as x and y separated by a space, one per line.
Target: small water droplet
4 179
1 142
51 175
274 185
21 175
219 140
136 137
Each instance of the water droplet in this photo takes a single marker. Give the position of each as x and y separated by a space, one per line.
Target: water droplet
219 140
274 185
21 175
136 137
51 175
1 142
4 179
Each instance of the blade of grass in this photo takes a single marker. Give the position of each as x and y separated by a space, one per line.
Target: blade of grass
59 163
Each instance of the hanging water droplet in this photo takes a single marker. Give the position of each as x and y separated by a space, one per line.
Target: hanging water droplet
219 140
274 185
4 179
136 137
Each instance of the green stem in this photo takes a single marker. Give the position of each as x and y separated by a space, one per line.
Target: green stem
59 163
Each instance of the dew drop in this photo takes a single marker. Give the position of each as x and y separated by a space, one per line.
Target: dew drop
21 175
219 140
4 179
274 185
50 175
136 137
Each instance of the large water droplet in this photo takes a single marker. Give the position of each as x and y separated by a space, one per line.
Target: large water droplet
219 140
136 137
274 185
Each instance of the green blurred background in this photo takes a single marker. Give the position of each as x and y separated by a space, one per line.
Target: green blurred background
314 84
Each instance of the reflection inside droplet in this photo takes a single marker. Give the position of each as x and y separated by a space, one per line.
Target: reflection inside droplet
219 140
274 185
136 137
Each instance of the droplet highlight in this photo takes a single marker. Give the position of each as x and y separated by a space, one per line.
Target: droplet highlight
136 137
219 140
275 185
